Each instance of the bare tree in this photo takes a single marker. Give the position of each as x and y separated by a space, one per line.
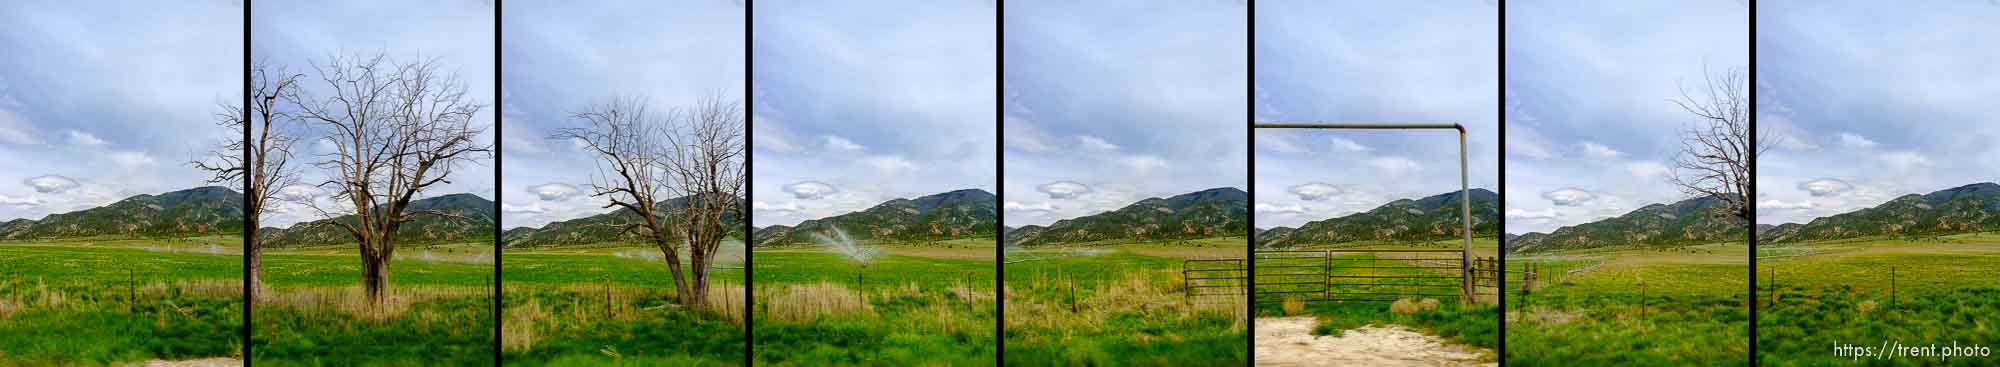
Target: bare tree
1717 150
397 129
268 166
644 157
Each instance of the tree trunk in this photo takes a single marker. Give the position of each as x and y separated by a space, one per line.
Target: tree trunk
700 278
256 250
375 277
682 294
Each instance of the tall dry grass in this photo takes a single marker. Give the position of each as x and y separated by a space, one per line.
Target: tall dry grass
801 303
353 300
1153 294
20 296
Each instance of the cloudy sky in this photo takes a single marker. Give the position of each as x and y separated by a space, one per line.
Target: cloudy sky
1432 62
457 33
103 101
1867 101
563 57
853 108
1590 128
1112 102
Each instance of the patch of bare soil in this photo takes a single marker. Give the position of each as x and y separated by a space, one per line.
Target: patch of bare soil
1288 341
205 362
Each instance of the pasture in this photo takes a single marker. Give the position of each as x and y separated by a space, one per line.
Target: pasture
927 304
1867 292
1122 303
1671 306
120 301
438 309
610 304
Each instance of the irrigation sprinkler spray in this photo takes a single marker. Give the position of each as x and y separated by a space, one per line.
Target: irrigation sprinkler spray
841 244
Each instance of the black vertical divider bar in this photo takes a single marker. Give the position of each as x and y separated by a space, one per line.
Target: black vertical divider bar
749 297
1000 192
1749 197
249 222
1250 177
498 246
1500 271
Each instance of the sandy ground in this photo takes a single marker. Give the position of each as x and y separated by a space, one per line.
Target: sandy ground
1288 341
210 362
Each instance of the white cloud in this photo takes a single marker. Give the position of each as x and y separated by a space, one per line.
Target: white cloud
554 191
1825 187
1395 165
1315 191
1647 169
1569 196
1345 145
1282 209
14 130
1538 215
19 202
1063 189
1096 144
840 144
1016 206
1851 140
1600 151
1785 205
1905 159
52 184
534 207
890 164
771 136
80 138
787 208
1024 136
1281 143
299 193
130 159
810 190
1143 162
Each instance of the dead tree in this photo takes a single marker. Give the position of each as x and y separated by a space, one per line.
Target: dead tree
1716 149
397 129
268 165
704 159
644 157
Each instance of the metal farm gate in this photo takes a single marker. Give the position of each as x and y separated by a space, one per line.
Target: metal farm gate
1213 281
1357 275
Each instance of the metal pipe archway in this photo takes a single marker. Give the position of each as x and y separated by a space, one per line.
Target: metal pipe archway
1464 180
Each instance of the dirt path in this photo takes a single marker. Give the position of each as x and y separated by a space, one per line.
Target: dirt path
1288 341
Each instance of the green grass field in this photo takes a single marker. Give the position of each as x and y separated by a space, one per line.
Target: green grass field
439 311
1814 296
613 304
1632 307
911 305
1111 304
114 302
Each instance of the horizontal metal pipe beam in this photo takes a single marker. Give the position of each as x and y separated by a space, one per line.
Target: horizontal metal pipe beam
1358 125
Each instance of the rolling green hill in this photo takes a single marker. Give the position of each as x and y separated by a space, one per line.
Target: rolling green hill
956 214
198 211
1431 218
1214 212
606 227
1698 220
477 224
1969 208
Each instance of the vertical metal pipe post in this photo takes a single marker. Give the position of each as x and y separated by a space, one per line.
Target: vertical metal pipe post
1465 215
